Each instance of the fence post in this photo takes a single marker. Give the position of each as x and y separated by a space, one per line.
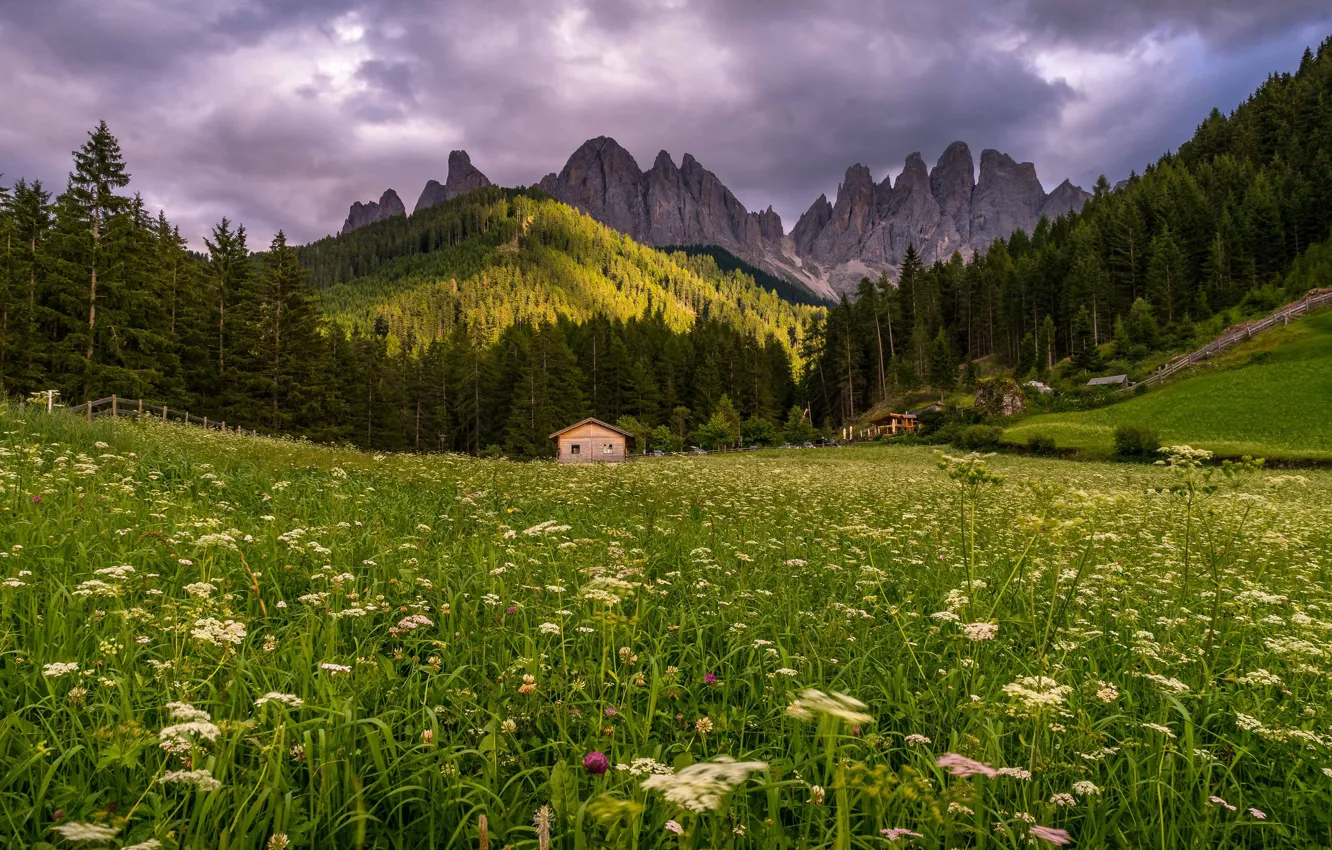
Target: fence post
89 410
140 408
205 423
113 405
164 413
50 400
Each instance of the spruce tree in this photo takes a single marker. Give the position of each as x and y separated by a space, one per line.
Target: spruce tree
943 364
89 254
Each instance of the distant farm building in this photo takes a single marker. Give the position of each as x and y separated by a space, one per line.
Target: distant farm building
889 423
592 441
1111 381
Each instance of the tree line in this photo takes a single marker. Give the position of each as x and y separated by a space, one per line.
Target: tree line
1157 264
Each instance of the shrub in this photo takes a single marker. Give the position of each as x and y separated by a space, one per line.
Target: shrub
1135 439
949 433
1041 444
979 437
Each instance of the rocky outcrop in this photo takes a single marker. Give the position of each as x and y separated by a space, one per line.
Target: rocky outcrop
998 397
1008 198
952 182
388 205
1066 198
940 211
668 204
463 177
811 224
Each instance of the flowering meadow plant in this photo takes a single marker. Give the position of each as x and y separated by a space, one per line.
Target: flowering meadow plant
215 640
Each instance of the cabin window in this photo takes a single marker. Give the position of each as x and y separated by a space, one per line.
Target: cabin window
608 449
573 450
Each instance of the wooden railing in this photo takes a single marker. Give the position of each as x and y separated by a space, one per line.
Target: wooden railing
138 408
1313 300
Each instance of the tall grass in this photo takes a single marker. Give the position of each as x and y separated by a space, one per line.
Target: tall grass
442 639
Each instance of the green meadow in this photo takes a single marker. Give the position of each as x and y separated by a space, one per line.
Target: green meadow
1271 397
213 641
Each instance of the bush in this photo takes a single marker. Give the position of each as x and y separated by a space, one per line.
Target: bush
1041 444
1135 439
979 437
949 433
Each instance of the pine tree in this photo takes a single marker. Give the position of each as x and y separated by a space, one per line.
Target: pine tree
233 327
1086 358
943 364
1047 345
288 332
89 253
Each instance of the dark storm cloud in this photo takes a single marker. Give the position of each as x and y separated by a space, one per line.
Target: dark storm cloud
279 113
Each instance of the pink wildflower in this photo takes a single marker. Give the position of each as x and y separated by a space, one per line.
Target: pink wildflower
1258 813
1052 835
672 826
964 767
898 833
596 763
1218 801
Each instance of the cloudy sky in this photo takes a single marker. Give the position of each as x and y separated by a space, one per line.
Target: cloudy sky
280 113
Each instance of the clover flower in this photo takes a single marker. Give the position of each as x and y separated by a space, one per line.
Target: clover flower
596 763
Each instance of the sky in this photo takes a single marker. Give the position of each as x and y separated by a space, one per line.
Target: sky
281 113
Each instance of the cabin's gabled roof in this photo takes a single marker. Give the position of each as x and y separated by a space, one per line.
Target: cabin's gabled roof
1108 381
593 421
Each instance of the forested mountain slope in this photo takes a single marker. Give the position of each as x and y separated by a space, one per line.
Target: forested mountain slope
1154 265
496 257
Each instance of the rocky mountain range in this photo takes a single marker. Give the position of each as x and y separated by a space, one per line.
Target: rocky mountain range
865 231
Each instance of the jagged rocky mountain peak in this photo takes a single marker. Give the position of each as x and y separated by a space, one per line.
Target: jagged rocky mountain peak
362 214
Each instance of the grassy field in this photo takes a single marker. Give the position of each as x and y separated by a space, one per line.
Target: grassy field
1270 397
210 641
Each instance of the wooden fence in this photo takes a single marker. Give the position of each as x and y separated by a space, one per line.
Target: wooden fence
1313 300
138 408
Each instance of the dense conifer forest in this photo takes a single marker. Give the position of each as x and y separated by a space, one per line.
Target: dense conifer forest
1154 265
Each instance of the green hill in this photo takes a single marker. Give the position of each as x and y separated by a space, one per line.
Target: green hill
1270 397
496 257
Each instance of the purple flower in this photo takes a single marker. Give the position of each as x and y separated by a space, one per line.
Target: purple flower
1052 835
36 500
512 609
596 763
610 711
709 678
964 767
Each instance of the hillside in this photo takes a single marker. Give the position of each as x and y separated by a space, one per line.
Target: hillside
1157 261
1271 396
497 257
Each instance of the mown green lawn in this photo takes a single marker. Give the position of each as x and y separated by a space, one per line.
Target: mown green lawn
1271 398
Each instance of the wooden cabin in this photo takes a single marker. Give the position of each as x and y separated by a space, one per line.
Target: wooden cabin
889 423
592 441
